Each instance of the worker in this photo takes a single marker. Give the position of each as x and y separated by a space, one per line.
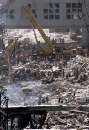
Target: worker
59 100
47 99
43 100
39 100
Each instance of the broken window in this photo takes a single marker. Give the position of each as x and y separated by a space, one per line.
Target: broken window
68 16
50 5
50 11
68 10
57 16
68 5
57 11
11 14
79 10
34 12
45 11
79 5
57 5
74 5
45 16
51 16
73 10
11 11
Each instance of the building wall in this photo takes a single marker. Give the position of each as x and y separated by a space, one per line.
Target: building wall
50 13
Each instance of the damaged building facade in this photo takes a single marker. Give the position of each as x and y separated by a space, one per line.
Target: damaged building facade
48 93
58 15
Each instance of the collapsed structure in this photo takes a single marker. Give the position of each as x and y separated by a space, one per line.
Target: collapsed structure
62 82
68 89
60 15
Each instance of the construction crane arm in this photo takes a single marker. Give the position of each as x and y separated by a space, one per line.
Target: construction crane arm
35 24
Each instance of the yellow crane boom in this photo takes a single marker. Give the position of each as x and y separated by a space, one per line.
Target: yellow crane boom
36 25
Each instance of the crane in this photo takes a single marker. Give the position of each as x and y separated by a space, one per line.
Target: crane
35 24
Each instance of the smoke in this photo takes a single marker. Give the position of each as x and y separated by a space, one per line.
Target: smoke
3 2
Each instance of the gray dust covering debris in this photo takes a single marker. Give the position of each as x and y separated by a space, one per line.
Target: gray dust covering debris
44 64
70 88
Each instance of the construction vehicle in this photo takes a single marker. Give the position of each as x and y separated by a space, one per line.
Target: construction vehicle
49 48
49 44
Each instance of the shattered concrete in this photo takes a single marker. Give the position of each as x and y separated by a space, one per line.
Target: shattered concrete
70 88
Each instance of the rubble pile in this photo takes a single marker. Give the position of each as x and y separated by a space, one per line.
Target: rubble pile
63 90
77 69
67 93
66 120
73 89
34 71
70 88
